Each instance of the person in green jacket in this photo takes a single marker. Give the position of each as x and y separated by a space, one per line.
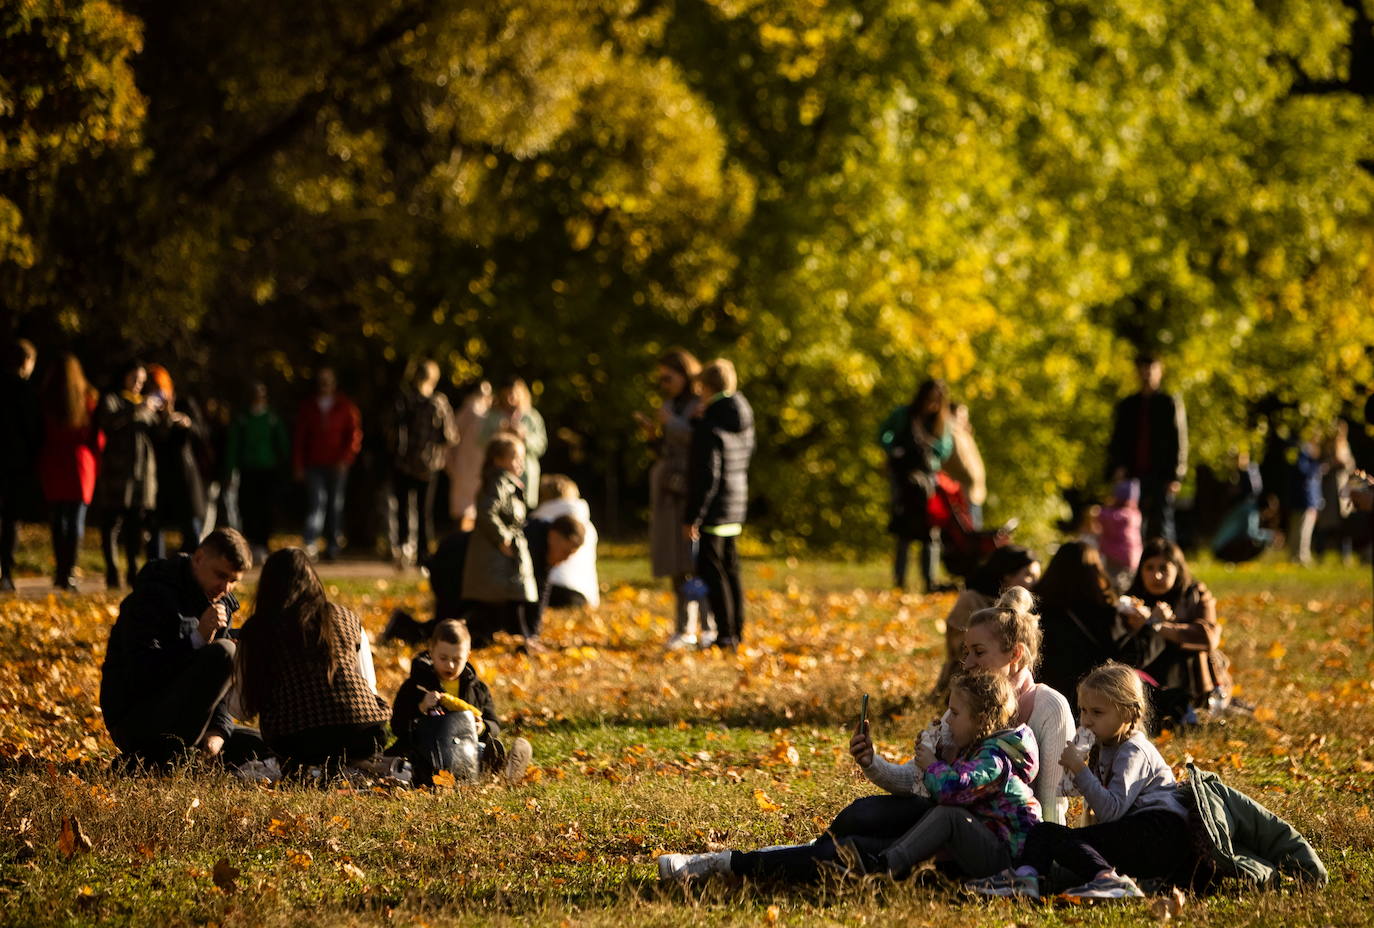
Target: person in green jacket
258 454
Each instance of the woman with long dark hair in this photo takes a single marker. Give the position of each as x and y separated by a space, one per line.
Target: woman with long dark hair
1171 634
1077 614
299 670
69 460
917 440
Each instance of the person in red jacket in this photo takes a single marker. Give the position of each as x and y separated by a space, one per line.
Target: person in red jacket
329 434
68 460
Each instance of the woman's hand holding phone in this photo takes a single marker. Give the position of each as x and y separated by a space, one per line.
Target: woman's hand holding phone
861 746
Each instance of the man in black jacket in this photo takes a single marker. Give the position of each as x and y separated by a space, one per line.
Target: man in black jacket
19 438
718 493
1150 444
169 662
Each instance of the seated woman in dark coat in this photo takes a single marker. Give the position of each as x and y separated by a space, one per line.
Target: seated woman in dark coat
299 671
1171 635
1076 617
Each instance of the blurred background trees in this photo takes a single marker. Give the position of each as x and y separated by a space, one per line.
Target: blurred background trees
840 195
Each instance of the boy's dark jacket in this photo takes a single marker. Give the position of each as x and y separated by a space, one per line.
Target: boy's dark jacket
151 639
405 709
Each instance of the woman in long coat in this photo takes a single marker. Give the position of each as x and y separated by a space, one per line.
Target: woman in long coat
179 438
669 551
126 491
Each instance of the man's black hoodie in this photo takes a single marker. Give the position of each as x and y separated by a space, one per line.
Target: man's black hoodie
151 640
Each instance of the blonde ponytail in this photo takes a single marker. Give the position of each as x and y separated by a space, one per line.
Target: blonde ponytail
1015 621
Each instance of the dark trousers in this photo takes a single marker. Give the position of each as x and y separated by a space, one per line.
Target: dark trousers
560 597
116 526
927 555
329 746
718 567
257 501
411 514
1156 510
68 527
861 832
160 729
1145 845
9 524
513 618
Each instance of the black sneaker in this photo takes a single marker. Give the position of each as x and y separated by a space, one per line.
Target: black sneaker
6 584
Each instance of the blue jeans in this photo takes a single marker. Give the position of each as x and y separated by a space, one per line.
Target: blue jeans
324 500
68 527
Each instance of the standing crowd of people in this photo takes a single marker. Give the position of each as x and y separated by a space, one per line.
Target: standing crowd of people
146 460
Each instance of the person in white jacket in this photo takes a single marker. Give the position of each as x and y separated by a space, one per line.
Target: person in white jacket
573 583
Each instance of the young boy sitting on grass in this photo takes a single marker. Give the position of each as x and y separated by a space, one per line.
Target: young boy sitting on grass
437 706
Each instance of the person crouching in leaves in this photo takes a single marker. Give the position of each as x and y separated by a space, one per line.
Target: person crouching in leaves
442 705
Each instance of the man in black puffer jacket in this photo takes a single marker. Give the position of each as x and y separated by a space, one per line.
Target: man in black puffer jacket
718 493
170 662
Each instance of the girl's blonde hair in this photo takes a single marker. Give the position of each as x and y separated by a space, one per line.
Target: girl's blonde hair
502 445
1014 619
1119 685
558 486
991 700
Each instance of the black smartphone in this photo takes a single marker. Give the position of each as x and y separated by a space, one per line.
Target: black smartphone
863 715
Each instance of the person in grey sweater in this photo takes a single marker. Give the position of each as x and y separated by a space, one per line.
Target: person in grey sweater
1141 825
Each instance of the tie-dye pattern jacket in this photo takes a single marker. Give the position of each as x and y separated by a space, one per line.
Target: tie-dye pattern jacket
992 780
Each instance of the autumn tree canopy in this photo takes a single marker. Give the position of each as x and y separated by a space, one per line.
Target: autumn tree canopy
840 195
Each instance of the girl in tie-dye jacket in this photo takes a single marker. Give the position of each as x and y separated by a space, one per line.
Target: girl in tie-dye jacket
984 804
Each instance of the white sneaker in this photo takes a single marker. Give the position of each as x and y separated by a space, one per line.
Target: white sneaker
682 867
682 642
706 640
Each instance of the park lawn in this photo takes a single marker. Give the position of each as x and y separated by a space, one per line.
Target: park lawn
638 751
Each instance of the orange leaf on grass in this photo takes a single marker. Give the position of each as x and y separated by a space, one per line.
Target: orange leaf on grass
764 803
72 839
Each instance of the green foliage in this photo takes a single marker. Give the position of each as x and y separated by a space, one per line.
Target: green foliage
66 93
841 196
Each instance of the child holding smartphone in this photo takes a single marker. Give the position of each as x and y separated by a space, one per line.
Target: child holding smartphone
980 808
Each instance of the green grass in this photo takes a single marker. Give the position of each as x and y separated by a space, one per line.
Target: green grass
638 751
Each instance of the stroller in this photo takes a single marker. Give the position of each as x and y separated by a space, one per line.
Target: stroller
962 547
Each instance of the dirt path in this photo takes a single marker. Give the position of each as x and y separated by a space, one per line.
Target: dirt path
40 587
